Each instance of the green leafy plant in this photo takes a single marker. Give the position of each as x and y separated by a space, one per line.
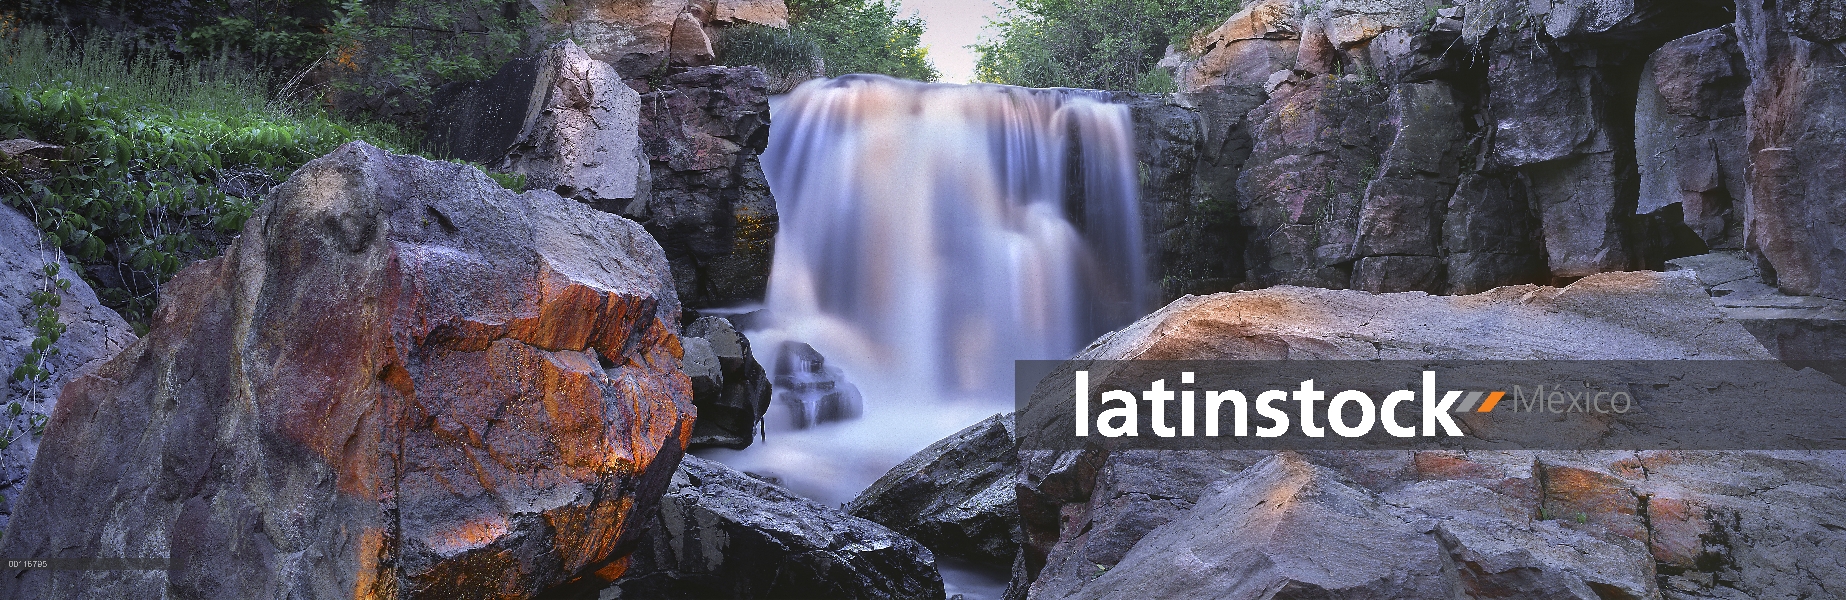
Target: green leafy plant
154 151
862 36
1099 44
46 327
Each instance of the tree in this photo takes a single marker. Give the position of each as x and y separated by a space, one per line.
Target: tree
1097 44
864 36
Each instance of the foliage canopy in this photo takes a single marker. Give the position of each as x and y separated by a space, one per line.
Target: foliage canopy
1097 44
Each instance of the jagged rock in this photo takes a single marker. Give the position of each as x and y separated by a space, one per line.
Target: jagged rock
642 37
729 414
1797 115
91 333
563 120
710 205
582 138
1492 236
724 534
956 496
1187 257
400 381
813 391
1083 512
1260 39
1690 135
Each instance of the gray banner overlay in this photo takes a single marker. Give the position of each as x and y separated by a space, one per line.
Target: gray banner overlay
1387 405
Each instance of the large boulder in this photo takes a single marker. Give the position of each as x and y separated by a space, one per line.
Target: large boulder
1086 515
577 127
723 534
401 380
1690 137
956 496
87 333
710 205
730 411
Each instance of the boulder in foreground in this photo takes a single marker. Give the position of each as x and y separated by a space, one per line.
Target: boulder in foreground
400 381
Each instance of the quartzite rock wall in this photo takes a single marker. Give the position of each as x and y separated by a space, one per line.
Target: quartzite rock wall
400 381
1456 147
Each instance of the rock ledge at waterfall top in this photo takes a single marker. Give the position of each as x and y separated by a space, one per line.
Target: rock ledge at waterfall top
400 381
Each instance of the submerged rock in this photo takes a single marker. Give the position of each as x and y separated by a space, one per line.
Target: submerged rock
956 496
400 381
732 409
90 333
721 533
813 391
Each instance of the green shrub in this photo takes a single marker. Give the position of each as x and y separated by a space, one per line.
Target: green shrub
863 36
151 147
1097 44
779 52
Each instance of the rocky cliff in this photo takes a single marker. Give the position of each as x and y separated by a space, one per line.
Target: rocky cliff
1455 147
400 381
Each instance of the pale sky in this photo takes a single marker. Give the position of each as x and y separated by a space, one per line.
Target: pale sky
952 24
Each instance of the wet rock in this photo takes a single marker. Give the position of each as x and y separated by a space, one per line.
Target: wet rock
710 205
723 534
956 496
312 412
730 413
813 391
90 333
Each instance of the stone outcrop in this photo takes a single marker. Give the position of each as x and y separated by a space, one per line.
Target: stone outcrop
710 205
724 534
1097 523
680 159
1793 328
736 389
640 38
90 333
563 120
1392 146
956 496
400 381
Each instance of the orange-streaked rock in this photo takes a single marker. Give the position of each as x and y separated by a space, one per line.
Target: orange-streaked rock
400 381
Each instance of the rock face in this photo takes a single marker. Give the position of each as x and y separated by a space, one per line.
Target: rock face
401 380
681 159
1397 146
710 206
91 333
1797 127
641 37
563 120
956 496
723 534
1793 328
738 392
1437 524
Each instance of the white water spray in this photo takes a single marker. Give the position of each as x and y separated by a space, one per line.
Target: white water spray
931 235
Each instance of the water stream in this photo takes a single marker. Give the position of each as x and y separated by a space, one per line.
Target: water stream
931 234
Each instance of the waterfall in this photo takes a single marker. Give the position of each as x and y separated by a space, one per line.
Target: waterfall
934 233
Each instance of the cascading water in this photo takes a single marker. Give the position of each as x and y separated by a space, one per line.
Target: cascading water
931 235
932 231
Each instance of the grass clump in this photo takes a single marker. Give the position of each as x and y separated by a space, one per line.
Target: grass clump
162 161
